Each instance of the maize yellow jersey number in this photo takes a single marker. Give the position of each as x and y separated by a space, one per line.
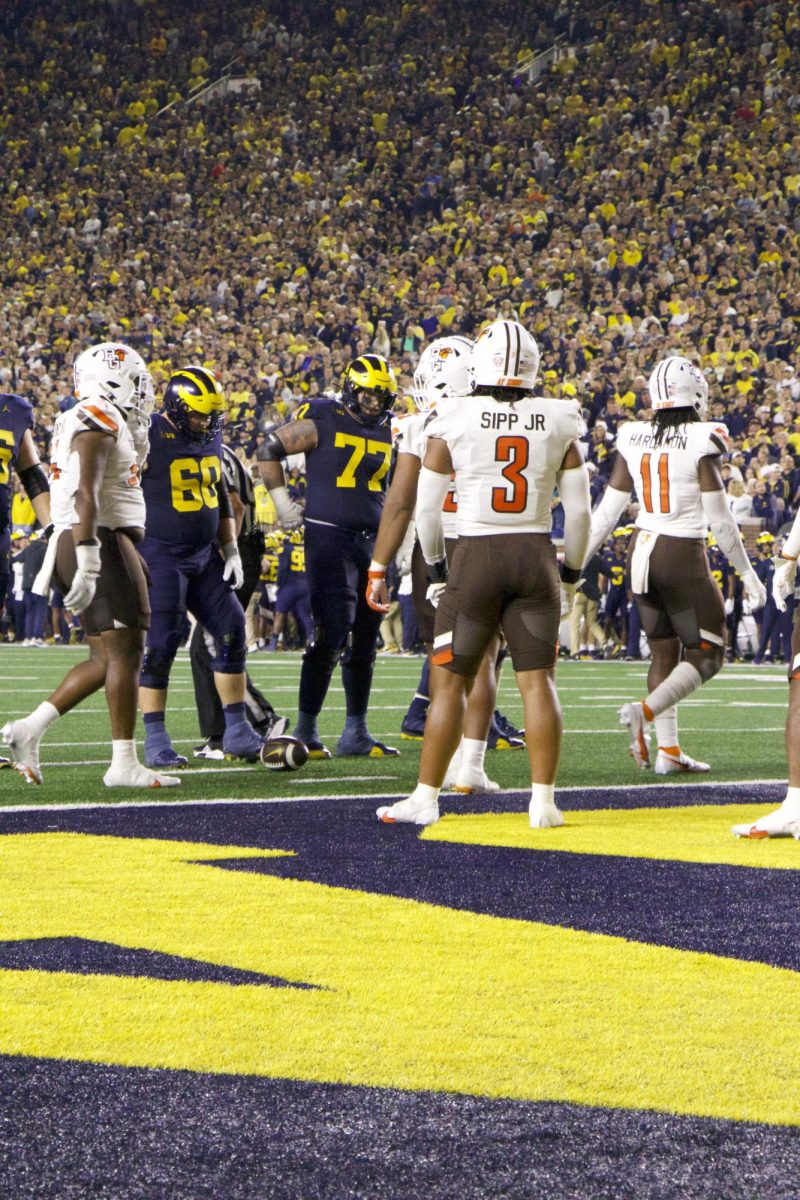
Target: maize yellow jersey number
360 446
194 483
299 558
6 450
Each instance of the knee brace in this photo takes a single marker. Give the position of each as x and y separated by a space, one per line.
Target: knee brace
706 659
361 661
230 657
156 666
323 649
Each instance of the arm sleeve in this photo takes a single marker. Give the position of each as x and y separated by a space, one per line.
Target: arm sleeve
431 492
605 517
726 531
573 488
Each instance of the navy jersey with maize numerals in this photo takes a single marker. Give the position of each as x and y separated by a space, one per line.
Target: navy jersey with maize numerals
16 415
346 473
180 485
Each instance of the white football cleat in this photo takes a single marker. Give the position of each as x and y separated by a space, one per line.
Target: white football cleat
545 816
672 764
138 777
633 716
783 822
24 747
413 811
469 782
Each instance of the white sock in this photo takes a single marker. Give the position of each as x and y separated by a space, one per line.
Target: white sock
123 754
791 803
40 720
454 765
680 683
473 753
667 727
424 792
543 794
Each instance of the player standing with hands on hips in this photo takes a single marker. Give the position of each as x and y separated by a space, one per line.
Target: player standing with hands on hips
509 450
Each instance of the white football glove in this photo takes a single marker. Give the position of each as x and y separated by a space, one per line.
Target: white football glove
783 581
290 514
434 593
84 581
233 571
139 425
755 594
567 598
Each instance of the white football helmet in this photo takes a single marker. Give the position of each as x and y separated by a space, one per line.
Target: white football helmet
505 355
442 370
677 383
113 372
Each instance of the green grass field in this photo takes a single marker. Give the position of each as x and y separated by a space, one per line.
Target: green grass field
735 722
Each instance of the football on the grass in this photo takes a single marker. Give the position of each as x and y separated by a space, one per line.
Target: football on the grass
284 753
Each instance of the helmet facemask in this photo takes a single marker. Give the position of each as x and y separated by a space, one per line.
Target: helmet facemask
370 381
193 393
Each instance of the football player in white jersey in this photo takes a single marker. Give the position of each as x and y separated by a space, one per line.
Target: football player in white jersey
785 820
97 507
673 464
442 375
509 450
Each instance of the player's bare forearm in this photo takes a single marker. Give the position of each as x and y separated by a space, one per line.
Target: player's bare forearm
272 475
94 451
41 506
398 509
227 531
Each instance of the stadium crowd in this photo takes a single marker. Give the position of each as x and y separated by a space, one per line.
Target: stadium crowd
396 175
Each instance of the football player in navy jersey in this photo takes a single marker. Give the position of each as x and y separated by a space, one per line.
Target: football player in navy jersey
189 522
292 595
348 447
17 449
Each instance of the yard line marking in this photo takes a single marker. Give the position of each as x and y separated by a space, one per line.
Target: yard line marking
680 780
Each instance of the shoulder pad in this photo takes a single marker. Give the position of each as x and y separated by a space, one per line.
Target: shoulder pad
97 416
713 438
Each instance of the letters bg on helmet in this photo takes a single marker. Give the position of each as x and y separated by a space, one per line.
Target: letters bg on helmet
116 373
442 371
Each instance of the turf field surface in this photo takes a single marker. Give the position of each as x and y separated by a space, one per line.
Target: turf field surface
258 990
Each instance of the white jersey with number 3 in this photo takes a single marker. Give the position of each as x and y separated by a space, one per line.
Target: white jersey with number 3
666 477
121 502
506 456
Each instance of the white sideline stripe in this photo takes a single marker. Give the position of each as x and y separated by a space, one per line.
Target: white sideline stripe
249 800
685 729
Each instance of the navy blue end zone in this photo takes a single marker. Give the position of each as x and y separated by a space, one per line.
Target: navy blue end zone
116 1134
74 1129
